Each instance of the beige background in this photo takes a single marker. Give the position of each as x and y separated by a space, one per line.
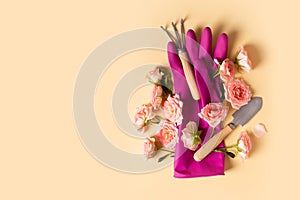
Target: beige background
42 47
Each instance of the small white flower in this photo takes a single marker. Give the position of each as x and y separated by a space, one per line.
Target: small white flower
154 76
190 136
243 60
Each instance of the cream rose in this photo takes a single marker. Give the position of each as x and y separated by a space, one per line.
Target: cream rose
142 116
149 147
154 76
190 136
227 70
168 134
243 60
172 108
156 96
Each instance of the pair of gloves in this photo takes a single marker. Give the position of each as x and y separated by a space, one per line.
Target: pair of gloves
202 58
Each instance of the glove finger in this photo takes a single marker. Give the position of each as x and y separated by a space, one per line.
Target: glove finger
205 43
191 45
174 60
220 54
221 49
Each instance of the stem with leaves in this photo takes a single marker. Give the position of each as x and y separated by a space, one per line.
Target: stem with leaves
217 72
229 153
170 153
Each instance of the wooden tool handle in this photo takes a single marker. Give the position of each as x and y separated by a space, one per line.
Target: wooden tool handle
211 144
189 75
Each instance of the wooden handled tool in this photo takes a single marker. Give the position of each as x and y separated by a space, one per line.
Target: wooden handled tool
189 74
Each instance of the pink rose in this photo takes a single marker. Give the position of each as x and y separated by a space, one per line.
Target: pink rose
142 116
168 134
227 70
243 60
154 76
156 96
237 93
244 145
172 108
213 113
149 147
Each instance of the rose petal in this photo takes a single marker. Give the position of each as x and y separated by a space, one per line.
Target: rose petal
259 130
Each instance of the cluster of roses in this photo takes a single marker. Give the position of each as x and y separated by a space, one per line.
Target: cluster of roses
161 99
191 140
237 93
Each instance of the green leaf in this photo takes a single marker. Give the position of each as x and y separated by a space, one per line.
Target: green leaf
163 157
166 90
215 75
230 154
217 72
199 132
218 150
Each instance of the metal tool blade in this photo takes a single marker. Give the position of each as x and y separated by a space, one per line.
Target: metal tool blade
246 112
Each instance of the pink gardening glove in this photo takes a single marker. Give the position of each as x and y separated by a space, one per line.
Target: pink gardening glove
201 58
